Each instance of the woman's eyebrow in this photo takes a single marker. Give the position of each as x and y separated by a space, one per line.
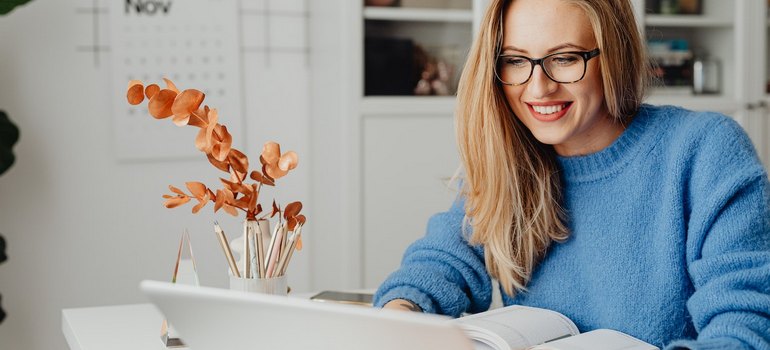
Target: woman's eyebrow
553 49
566 46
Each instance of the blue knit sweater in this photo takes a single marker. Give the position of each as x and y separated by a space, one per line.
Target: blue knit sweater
669 241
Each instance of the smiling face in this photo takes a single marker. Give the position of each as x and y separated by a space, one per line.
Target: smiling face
571 117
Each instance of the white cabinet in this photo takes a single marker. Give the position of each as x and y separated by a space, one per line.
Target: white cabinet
406 143
388 157
734 32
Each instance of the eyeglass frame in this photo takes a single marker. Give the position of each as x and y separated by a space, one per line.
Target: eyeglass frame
586 55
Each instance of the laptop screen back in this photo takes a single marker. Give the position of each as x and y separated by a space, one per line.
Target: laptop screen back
208 319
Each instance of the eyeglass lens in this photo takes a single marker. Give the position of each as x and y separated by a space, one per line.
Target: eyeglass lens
561 68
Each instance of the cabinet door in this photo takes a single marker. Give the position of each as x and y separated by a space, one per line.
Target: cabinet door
407 161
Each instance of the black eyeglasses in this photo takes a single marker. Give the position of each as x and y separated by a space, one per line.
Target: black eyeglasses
561 67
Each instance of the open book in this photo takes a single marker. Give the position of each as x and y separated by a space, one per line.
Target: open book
520 327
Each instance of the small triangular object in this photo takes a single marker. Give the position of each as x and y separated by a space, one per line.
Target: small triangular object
184 273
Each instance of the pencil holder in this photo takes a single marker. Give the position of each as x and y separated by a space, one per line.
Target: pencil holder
274 285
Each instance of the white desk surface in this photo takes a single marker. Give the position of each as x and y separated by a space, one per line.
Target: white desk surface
123 327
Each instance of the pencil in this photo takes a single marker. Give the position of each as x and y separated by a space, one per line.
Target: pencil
292 248
260 247
275 250
226 249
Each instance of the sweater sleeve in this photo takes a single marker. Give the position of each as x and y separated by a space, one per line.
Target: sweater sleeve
728 245
441 272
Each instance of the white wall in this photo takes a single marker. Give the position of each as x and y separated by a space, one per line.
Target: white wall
84 228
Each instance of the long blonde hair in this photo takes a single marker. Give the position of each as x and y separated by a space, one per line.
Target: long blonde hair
511 181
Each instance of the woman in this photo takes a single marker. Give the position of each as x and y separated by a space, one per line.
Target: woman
654 221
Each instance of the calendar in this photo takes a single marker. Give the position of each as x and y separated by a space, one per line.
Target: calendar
195 45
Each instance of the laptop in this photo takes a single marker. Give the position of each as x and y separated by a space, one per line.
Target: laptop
210 318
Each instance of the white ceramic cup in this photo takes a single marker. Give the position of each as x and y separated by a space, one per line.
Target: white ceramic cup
274 285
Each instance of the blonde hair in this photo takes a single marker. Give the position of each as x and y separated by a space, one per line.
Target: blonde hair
511 181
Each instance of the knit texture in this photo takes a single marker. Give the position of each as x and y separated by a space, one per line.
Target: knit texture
669 241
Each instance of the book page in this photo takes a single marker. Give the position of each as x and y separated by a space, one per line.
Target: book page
600 339
516 327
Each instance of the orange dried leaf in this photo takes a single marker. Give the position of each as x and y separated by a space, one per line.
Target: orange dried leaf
264 172
185 103
274 172
229 184
170 85
201 203
299 243
160 104
301 219
135 93
180 121
224 166
291 223
236 186
230 210
271 153
292 209
276 209
236 176
220 200
197 189
151 90
229 197
288 161
243 202
238 161
245 189
221 149
175 202
256 176
198 118
213 116
176 190
202 141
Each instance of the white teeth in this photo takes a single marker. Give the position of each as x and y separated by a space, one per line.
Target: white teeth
548 109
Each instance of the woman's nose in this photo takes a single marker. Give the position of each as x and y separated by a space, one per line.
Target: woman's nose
540 85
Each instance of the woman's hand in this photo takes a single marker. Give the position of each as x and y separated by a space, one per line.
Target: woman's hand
403 305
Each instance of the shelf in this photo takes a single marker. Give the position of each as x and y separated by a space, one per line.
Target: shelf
417 14
687 21
407 105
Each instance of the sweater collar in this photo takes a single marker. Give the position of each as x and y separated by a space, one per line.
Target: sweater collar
614 157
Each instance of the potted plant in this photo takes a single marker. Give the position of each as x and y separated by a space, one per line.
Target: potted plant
9 134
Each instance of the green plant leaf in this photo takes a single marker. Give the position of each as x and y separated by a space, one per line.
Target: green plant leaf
9 135
8 5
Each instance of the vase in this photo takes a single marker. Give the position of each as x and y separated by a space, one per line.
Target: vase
273 286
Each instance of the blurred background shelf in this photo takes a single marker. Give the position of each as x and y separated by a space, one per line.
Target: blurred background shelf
417 14
694 21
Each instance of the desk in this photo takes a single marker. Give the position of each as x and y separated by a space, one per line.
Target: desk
123 327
